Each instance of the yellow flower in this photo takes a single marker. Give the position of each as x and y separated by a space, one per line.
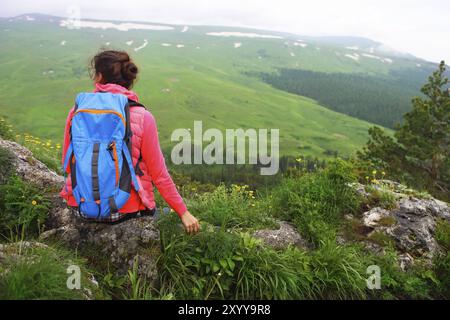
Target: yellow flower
374 172
367 177
253 204
34 202
383 173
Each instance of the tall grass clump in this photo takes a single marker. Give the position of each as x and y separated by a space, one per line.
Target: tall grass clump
23 206
339 271
40 272
216 264
6 131
316 202
232 207
6 165
441 261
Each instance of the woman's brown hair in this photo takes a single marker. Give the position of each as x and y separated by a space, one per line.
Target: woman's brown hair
115 67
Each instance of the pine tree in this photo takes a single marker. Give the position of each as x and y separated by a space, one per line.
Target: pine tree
420 151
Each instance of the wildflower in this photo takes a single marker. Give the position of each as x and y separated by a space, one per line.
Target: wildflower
253 204
298 160
383 173
374 172
34 202
367 177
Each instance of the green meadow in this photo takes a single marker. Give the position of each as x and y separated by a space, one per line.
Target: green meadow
197 77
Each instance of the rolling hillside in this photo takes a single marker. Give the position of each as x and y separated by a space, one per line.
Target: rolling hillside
190 73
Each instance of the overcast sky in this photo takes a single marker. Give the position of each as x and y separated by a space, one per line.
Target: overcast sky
416 26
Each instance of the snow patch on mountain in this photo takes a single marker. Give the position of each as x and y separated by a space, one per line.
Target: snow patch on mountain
77 24
242 34
354 56
142 46
300 44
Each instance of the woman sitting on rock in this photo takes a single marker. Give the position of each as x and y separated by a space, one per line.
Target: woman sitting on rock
114 74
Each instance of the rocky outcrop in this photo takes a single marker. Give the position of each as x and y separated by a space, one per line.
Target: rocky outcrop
29 168
132 241
281 238
411 224
135 240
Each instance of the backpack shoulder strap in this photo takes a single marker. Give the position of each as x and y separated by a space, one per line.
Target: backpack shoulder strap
133 103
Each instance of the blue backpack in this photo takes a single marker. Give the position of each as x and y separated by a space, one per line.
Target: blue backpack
98 156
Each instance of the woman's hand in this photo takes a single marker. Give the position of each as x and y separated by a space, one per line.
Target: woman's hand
191 224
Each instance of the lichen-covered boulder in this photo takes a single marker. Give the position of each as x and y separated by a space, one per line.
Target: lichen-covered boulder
132 241
281 238
411 224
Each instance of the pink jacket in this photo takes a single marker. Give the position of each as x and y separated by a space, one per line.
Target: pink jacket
145 142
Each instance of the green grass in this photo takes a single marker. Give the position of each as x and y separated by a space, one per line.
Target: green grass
23 207
41 273
233 207
317 202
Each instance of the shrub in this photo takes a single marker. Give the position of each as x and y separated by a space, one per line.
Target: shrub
442 270
23 206
234 207
415 283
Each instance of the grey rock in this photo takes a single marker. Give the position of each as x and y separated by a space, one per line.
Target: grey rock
281 238
31 169
406 261
413 224
132 241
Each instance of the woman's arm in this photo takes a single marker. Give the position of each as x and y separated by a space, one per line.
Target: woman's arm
156 165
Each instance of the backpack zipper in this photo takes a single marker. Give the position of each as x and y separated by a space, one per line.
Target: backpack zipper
102 111
113 152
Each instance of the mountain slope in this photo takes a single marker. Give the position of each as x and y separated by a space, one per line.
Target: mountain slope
187 73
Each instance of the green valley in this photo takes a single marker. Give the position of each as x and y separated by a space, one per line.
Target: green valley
187 73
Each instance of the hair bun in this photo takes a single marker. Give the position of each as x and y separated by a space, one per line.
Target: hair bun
129 70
